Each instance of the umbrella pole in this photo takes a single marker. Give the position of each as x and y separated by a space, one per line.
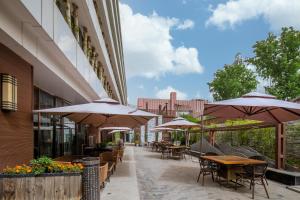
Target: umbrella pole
202 130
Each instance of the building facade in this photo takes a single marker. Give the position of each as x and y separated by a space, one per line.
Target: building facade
168 109
55 53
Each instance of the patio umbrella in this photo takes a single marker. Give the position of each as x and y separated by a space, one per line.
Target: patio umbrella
164 129
102 113
115 129
180 123
255 106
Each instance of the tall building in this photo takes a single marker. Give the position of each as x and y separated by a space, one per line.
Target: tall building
55 53
168 109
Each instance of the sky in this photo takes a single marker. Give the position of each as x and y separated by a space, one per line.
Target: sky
177 45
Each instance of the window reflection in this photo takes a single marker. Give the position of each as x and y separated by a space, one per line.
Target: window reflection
55 136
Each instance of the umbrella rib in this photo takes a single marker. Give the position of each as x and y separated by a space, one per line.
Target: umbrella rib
278 121
293 112
208 113
107 116
239 110
137 120
66 115
85 118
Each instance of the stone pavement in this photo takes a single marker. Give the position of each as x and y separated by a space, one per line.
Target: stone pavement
143 175
123 184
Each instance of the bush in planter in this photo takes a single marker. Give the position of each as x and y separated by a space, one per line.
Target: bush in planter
43 165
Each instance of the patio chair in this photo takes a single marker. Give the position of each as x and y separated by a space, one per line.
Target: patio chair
165 152
103 175
258 157
120 154
110 157
214 166
255 174
205 169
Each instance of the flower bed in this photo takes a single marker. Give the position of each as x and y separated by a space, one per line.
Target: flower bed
43 178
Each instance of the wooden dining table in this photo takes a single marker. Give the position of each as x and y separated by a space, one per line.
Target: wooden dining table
230 165
177 150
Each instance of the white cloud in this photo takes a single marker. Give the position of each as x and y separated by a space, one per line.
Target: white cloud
148 49
186 24
277 13
165 93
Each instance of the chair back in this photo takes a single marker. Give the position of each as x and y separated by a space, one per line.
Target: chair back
121 153
203 163
103 172
109 156
258 157
257 169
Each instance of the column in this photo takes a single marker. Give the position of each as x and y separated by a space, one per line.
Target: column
280 146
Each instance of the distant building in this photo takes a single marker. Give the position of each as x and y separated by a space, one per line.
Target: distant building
171 108
168 109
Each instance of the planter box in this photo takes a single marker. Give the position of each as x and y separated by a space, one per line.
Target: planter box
44 186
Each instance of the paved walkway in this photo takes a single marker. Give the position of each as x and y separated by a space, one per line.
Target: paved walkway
143 175
123 184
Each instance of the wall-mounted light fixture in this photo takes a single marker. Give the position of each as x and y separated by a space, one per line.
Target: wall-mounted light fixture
9 91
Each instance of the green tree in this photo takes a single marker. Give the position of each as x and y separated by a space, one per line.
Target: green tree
277 59
232 81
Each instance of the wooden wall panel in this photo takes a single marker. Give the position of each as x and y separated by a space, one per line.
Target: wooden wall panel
16 128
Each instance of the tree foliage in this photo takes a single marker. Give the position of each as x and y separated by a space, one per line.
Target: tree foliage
232 81
277 59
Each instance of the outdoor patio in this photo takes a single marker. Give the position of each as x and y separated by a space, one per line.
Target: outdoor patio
143 175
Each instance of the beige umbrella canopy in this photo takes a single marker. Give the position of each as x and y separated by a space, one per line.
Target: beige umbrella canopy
102 113
115 128
180 123
255 106
164 129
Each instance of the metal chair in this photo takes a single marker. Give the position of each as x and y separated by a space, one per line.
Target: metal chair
255 174
165 152
206 167
263 158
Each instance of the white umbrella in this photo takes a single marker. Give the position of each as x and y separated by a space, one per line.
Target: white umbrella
255 106
102 113
180 123
115 129
164 129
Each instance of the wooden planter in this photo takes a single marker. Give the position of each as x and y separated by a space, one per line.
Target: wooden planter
45 186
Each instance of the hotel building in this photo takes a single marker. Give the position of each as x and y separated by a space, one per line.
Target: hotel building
55 53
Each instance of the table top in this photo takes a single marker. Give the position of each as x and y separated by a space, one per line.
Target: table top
233 160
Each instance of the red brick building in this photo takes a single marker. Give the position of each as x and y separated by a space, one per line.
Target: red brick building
171 108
